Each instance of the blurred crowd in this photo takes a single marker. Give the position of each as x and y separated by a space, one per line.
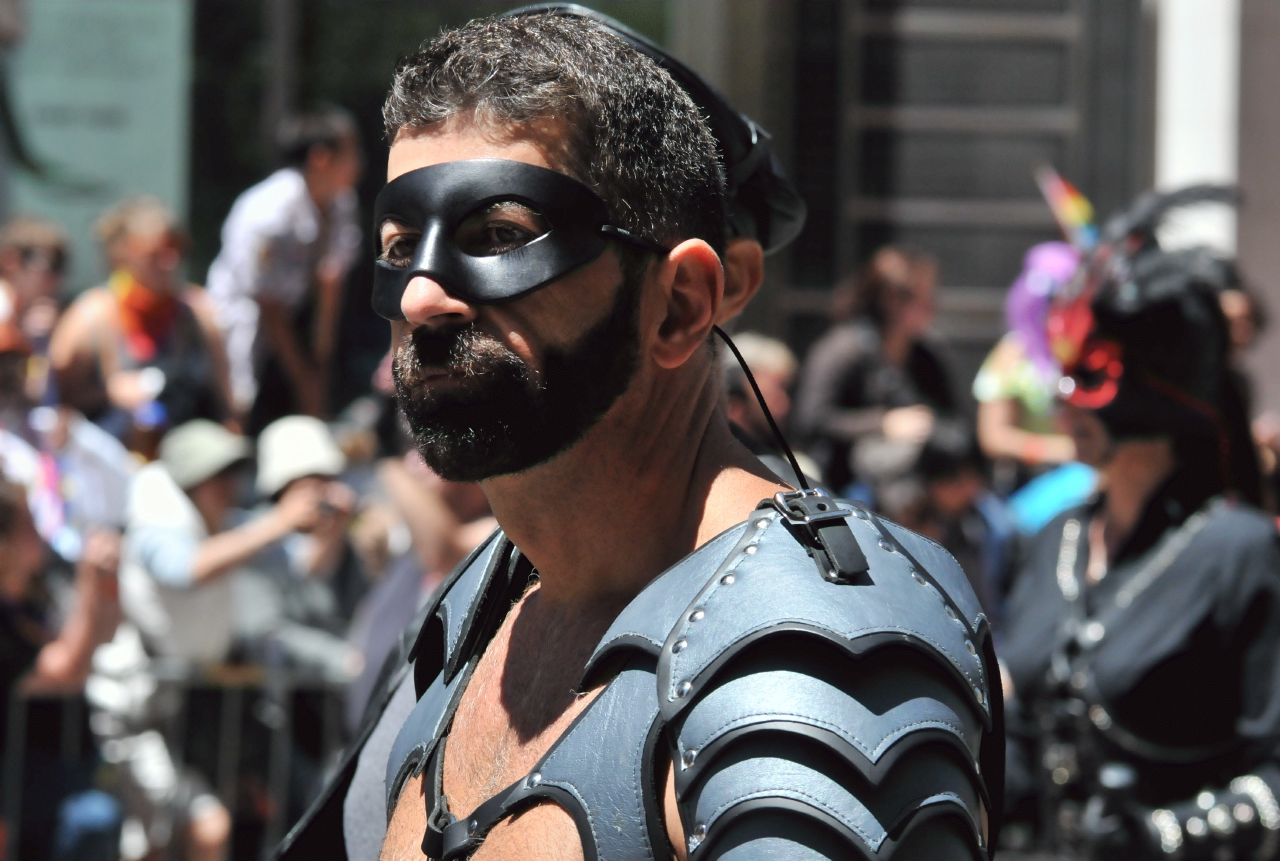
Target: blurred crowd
179 499
876 415
182 515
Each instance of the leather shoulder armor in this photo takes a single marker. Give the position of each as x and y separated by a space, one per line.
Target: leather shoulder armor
825 688
847 717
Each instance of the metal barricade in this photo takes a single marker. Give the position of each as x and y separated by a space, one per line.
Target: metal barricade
262 738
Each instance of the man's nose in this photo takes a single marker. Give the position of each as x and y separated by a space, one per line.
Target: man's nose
425 302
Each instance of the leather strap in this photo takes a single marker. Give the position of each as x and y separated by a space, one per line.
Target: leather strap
438 816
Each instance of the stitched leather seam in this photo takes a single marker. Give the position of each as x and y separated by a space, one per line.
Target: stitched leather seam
443 612
471 609
946 554
577 796
581 801
472 604
871 754
640 634
648 637
853 635
792 793
637 781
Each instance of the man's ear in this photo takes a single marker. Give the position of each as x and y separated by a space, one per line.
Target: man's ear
743 274
694 282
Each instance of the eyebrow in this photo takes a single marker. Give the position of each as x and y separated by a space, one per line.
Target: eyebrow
391 221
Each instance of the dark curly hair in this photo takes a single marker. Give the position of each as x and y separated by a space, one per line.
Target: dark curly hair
634 136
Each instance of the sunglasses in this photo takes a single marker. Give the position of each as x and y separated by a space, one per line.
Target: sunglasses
52 259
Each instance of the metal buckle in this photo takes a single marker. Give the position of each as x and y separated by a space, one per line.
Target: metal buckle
806 507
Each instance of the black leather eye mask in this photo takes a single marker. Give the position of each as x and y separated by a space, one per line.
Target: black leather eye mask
446 201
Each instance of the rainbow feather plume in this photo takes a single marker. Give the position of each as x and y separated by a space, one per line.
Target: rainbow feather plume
1070 208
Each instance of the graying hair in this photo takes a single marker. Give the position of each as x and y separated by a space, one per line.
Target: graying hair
634 136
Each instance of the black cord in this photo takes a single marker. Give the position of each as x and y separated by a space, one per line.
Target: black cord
777 434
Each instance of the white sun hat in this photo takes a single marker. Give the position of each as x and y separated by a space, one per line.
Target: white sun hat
199 450
294 447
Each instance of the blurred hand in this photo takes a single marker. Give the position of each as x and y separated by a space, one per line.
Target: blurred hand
97 585
340 497
336 507
1266 430
39 319
908 424
299 506
99 562
131 389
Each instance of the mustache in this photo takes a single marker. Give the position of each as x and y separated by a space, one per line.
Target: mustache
465 351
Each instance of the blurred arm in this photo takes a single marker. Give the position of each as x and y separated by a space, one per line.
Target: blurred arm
818 412
211 334
277 327
63 665
330 280
1000 436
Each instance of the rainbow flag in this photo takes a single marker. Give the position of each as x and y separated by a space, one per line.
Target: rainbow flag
1070 208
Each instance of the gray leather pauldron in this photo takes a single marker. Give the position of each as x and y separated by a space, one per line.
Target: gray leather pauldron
806 716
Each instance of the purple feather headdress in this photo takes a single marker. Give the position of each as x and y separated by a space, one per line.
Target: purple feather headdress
1045 270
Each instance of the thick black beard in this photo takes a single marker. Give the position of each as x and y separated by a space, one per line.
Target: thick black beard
503 420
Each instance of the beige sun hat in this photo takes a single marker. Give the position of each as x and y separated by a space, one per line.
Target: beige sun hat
199 450
294 447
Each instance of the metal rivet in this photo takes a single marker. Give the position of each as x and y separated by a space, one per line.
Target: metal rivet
918 577
951 614
700 830
886 546
472 826
762 523
684 687
697 615
726 580
977 692
968 644
535 778
679 646
751 548
689 757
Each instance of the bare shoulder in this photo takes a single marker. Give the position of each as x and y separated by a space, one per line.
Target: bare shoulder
91 310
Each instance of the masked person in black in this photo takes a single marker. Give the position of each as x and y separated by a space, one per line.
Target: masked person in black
1143 632
646 660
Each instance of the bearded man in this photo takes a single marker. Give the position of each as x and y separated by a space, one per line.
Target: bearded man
645 660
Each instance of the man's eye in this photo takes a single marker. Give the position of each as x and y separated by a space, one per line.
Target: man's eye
398 251
499 229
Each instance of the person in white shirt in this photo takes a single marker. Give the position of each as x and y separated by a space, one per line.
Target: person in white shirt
286 247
